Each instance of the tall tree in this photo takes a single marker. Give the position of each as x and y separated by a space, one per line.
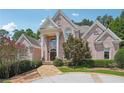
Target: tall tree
84 22
117 25
105 20
17 34
3 32
29 32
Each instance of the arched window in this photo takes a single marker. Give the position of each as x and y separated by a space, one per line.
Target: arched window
67 32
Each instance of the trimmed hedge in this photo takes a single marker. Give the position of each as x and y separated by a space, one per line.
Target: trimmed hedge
36 64
58 62
103 63
92 63
7 71
119 58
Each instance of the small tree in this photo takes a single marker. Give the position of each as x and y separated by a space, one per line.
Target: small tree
76 50
9 53
119 58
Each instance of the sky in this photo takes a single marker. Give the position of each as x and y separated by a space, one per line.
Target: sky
11 19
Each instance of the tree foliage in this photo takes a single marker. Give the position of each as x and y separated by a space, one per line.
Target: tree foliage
105 20
115 24
3 32
119 58
28 32
84 22
76 49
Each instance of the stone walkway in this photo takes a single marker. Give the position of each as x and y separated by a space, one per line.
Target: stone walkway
48 70
81 77
43 71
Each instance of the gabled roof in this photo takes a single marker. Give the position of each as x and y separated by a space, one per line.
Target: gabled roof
59 12
49 23
108 31
83 28
95 23
31 40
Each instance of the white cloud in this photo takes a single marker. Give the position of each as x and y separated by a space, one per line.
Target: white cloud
10 26
75 14
42 21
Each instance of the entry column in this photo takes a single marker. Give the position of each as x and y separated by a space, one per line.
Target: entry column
57 45
42 47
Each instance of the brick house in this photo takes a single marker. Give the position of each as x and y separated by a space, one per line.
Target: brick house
103 43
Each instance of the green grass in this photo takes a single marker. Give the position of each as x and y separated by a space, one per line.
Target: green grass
5 81
83 69
109 72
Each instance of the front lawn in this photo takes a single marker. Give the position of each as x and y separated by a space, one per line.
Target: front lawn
83 69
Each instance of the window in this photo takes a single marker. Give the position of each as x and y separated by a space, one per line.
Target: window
67 32
106 53
53 43
96 33
31 49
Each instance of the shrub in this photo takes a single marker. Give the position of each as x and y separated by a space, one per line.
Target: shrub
15 68
36 64
119 58
58 62
66 62
87 63
103 63
24 66
4 70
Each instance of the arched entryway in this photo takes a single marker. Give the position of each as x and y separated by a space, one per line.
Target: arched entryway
52 54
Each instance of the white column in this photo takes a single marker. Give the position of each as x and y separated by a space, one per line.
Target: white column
45 49
57 45
42 47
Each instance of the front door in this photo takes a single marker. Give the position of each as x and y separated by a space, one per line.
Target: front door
52 54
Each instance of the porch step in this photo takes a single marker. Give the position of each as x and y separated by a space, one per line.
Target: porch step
48 63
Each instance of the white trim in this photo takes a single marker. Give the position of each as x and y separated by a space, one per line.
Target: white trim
95 23
23 36
61 13
49 19
42 40
57 45
26 40
110 33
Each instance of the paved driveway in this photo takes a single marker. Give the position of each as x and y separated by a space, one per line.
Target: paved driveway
80 77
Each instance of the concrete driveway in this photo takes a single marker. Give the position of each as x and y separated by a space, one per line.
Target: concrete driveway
80 77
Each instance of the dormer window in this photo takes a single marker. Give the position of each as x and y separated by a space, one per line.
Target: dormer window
67 32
